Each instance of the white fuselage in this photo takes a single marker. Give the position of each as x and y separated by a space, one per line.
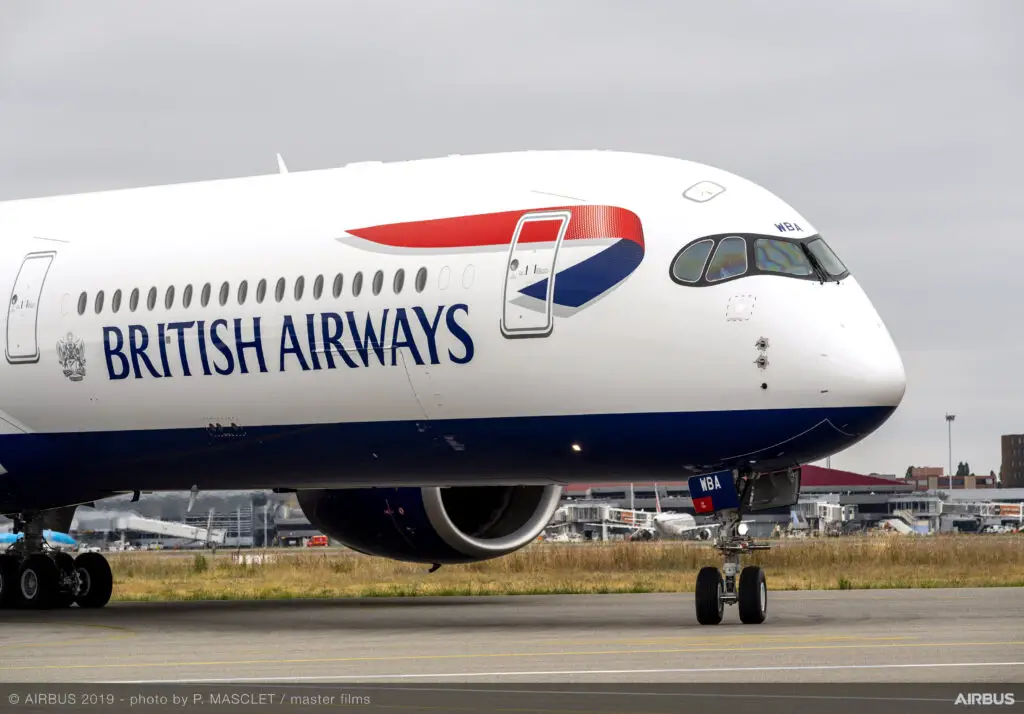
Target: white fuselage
465 374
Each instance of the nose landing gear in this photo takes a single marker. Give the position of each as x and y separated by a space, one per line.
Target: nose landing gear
716 589
35 576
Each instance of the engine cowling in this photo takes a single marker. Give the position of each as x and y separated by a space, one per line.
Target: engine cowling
460 524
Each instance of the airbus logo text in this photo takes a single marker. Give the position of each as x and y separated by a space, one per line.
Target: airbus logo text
314 341
985 699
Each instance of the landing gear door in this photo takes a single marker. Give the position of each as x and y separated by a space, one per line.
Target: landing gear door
777 489
529 287
23 309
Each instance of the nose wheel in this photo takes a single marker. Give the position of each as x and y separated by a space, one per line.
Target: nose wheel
752 596
714 591
747 588
710 596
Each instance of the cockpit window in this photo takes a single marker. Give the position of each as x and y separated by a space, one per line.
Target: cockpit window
780 256
689 265
730 259
828 260
714 259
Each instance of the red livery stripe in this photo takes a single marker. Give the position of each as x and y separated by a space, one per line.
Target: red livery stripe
489 229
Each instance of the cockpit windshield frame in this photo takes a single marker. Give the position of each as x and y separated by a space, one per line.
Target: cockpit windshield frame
827 266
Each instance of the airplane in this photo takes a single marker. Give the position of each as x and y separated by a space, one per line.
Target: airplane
49 536
425 352
671 524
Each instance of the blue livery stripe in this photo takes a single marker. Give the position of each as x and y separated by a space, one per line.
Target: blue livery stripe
579 284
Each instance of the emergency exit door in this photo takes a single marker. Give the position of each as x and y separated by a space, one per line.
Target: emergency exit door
531 266
23 309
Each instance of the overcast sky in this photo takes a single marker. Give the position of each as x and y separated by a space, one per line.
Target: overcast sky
895 127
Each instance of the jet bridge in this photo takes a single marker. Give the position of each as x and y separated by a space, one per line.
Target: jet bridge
170 529
593 517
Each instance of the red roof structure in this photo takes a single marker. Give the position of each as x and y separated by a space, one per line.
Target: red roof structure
813 479
818 478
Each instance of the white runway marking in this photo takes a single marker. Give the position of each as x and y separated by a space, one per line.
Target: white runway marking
548 673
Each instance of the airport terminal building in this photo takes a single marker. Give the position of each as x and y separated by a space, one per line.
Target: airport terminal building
832 502
836 502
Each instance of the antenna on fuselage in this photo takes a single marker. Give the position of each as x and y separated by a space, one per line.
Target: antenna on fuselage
280 165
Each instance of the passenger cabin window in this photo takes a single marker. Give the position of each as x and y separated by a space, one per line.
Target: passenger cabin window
399 281
378 282
243 291
357 284
169 298
339 283
780 256
279 290
729 261
133 301
186 296
318 287
204 297
300 286
689 265
261 290
151 299
99 302
83 302
225 290
421 279
115 301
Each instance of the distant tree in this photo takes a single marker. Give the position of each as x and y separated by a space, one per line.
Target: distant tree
910 471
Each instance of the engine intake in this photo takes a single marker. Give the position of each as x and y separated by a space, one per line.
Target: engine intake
460 524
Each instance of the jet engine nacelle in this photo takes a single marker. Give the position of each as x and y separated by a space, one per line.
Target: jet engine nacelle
704 534
461 524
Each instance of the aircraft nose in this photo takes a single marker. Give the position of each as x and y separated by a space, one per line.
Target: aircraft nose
867 370
864 367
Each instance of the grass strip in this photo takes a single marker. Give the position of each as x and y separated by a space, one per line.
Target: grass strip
852 563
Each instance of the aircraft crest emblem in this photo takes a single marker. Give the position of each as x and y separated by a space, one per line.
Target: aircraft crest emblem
71 355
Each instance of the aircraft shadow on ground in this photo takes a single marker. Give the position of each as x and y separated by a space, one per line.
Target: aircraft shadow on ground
553 613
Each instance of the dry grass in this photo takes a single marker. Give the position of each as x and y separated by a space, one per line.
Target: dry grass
546 568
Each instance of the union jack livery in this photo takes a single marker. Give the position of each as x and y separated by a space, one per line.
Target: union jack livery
593 248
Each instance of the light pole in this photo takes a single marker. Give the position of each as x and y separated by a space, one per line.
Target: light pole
949 426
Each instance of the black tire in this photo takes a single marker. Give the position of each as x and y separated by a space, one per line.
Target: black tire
37 582
97 582
753 596
9 596
708 597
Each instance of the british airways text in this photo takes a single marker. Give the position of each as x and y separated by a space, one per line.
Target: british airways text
314 341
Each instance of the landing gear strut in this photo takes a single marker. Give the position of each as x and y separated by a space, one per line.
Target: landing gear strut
35 576
731 586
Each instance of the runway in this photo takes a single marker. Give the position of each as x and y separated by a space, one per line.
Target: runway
835 636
